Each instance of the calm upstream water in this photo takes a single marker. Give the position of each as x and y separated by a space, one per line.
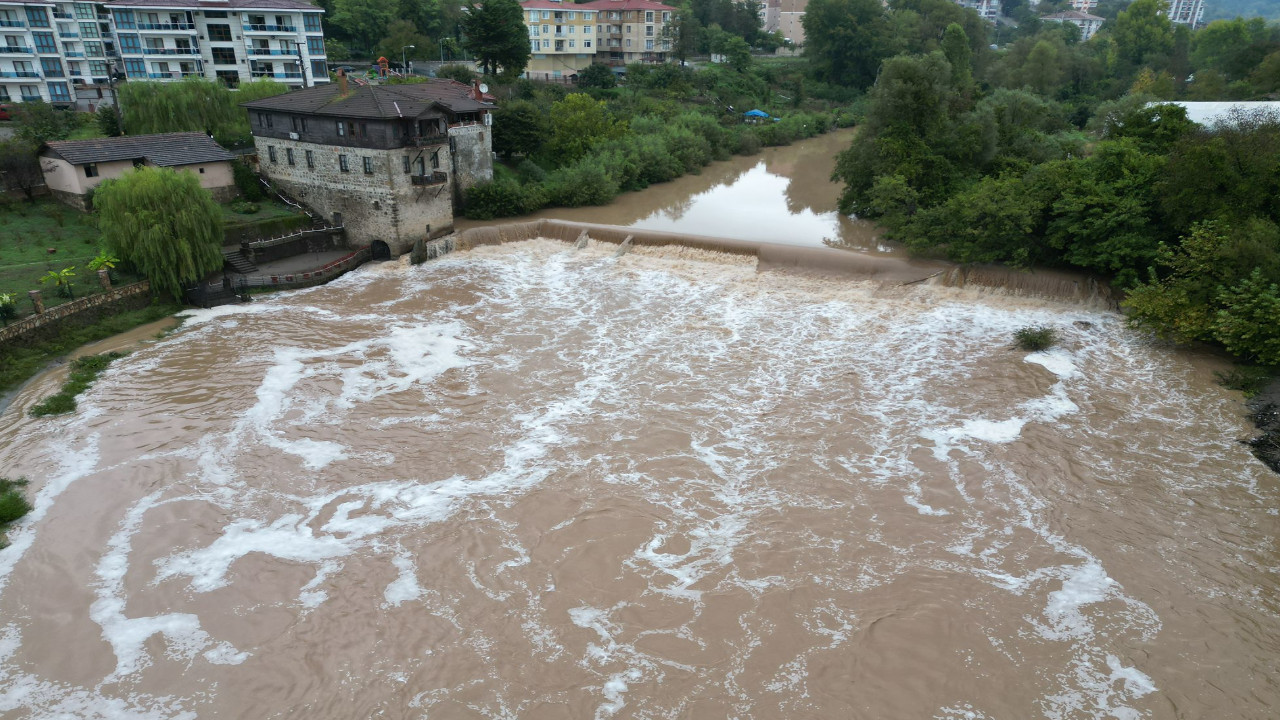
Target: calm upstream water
528 481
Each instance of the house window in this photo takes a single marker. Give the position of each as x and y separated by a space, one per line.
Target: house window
572 29
406 165
311 22
628 42
368 165
130 44
546 14
270 120
342 163
91 170
546 44
311 160
262 120
586 30
37 17
342 128
648 44
586 43
648 30
224 56
124 20
201 171
288 155
315 45
271 153
571 43
435 159
220 33
44 42
319 69
648 16
135 68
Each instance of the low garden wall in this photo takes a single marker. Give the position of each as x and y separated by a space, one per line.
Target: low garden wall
77 313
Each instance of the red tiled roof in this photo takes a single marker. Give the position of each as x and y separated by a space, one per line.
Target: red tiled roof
550 5
627 5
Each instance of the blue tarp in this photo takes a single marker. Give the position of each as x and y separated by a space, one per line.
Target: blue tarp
756 113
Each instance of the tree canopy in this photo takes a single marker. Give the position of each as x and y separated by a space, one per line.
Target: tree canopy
846 40
496 34
163 223
193 105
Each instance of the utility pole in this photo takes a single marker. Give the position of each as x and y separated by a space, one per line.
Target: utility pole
115 101
404 61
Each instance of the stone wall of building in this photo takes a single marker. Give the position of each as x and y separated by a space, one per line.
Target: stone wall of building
381 205
472 147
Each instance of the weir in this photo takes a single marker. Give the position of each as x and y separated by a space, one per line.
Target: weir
890 271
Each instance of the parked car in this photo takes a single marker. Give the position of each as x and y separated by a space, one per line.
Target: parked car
4 112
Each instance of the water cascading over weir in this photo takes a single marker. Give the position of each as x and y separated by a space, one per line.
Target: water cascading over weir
889 271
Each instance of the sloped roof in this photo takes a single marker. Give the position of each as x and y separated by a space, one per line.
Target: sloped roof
1072 15
374 101
626 5
552 5
164 150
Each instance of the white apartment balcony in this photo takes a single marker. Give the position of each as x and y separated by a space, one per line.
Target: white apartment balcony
183 27
271 29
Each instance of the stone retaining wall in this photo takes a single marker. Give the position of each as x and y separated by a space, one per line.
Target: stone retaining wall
77 313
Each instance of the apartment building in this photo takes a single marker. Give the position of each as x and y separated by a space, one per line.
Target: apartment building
1084 6
1087 23
65 52
562 38
791 20
631 31
988 9
1187 12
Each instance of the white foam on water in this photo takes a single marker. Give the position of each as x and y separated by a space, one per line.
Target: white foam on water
182 632
405 587
288 538
1083 585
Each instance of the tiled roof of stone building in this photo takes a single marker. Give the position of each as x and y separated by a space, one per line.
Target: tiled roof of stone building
164 150
374 101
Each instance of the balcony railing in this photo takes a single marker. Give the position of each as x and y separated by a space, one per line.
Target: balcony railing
270 74
53 73
269 51
435 178
166 26
174 74
73 53
437 139
14 50
63 16
170 51
68 34
19 74
31 98
12 23
271 28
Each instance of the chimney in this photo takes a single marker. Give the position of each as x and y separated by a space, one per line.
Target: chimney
342 81
475 91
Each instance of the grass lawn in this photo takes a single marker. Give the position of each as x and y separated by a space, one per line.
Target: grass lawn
28 231
267 210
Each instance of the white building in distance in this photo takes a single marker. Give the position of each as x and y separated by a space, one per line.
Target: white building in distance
1087 23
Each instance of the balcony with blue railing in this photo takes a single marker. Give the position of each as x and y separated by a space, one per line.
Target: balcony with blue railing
166 26
31 98
269 51
277 75
170 51
12 23
73 53
172 75
71 35
14 50
63 16
271 28
19 74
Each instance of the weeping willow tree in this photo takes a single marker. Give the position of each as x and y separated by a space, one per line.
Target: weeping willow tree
193 105
164 224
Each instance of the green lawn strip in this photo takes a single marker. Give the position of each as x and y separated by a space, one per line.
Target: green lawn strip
27 232
19 363
13 504
84 370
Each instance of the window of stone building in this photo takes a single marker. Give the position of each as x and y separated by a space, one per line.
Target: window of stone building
311 160
271 153
342 128
288 155
407 169
368 165
342 163
91 170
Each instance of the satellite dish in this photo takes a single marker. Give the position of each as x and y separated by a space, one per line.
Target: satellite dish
484 88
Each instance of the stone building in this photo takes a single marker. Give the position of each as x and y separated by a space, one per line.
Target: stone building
385 161
73 168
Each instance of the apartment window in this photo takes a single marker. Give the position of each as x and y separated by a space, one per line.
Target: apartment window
586 43
533 31
628 42
311 22
342 128
93 49
44 42
435 159
223 55
215 13
125 20
648 16
88 30
666 17
315 45
130 44
648 30
135 68
271 153
571 43
85 11
573 15
648 44
406 165
288 155
219 33
342 164
91 170
368 165
52 67
311 160
586 30
58 92
546 44
98 68
573 29
546 14
37 17
319 69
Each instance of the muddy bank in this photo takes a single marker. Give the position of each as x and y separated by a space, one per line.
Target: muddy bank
1264 411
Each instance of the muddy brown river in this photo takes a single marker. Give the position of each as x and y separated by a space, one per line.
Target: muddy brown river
529 481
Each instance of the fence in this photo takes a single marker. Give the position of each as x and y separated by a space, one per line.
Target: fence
71 309
228 291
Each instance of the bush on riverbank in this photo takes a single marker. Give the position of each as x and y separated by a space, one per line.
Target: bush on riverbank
1035 339
13 505
84 370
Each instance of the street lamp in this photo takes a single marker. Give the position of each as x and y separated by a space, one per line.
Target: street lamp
404 62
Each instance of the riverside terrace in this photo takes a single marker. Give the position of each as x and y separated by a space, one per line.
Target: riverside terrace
385 161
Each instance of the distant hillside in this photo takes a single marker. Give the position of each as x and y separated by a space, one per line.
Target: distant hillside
1216 9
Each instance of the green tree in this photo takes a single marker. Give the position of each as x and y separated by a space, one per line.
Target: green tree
597 75
39 122
1143 31
8 307
519 128
403 40
845 40
163 223
684 33
20 167
579 122
107 120
63 279
955 45
193 105
496 34
363 22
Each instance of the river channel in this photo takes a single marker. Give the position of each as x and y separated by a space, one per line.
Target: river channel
534 481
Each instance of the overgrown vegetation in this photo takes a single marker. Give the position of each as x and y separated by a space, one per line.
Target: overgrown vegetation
193 105
84 370
1035 338
13 504
20 362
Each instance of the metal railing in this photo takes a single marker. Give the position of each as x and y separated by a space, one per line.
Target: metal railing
19 74
166 26
12 49
170 51
269 51
12 23
282 239
435 178
271 28
270 74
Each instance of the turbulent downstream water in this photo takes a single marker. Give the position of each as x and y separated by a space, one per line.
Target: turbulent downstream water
532 482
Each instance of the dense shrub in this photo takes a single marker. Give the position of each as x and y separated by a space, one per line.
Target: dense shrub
12 503
502 198
1035 339
530 171
584 183
84 370
247 181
